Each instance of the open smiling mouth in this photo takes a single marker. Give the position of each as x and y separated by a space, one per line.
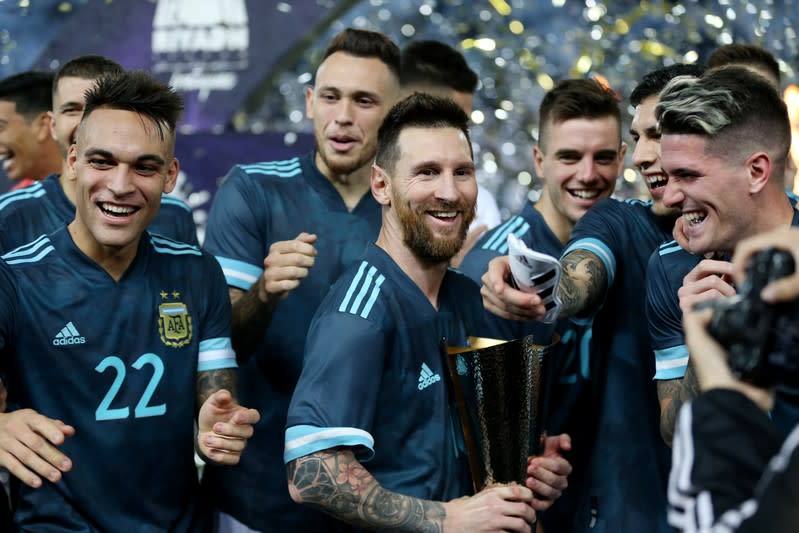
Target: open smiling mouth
584 194
694 217
443 215
656 181
114 210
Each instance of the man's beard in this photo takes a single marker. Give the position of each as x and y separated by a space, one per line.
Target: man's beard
420 238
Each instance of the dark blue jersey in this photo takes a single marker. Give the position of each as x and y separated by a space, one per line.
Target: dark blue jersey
667 268
43 208
375 345
118 360
258 205
629 464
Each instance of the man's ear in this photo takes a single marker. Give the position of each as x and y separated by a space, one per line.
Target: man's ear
759 167
171 175
381 186
72 159
41 126
309 102
52 125
538 160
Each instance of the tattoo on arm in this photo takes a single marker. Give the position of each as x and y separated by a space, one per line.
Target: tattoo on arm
210 381
335 482
583 283
250 318
673 393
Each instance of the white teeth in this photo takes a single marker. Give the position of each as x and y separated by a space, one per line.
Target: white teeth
117 209
657 180
694 217
444 214
585 195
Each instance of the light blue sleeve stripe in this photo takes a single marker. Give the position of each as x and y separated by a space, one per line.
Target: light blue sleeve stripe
601 250
238 273
27 249
502 235
305 440
343 307
171 200
671 363
669 250
217 343
364 287
31 259
518 233
373 297
23 194
217 364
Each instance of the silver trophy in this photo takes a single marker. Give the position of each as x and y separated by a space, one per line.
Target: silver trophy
498 388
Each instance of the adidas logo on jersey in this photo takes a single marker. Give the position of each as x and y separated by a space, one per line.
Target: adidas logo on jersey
68 335
427 377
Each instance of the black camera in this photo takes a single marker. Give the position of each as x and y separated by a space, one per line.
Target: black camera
762 339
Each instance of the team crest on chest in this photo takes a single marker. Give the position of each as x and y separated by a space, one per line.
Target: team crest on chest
174 320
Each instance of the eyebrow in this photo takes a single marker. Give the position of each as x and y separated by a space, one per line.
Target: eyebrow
572 152
108 155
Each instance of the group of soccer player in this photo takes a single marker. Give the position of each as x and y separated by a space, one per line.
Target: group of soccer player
327 280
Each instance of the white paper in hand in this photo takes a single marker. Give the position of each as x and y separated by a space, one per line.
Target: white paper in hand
535 272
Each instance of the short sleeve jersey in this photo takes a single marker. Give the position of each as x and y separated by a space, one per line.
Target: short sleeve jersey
375 379
118 360
629 464
257 205
667 268
43 207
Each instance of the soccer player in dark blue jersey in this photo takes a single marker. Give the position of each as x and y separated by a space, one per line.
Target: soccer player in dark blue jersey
27 151
116 340
604 268
50 204
284 231
725 157
373 379
578 158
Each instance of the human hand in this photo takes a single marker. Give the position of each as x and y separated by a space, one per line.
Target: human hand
28 443
471 239
494 509
708 280
709 360
504 300
547 473
787 239
224 427
286 266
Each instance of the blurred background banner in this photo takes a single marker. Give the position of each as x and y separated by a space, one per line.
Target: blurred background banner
241 65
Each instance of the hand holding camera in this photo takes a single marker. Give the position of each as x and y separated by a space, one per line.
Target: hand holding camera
758 328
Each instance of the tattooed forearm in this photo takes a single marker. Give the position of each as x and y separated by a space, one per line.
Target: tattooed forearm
210 381
250 318
583 283
336 483
673 393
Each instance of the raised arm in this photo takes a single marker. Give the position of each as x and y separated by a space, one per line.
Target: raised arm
335 482
581 289
285 267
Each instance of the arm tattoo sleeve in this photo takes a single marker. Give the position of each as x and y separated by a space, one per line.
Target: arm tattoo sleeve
583 283
210 381
335 482
250 318
673 393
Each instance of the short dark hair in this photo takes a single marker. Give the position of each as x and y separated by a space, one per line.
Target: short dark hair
140 93
30 91
90 67
419 110
653 82
739 112
571 99
745 54
433 63
368 44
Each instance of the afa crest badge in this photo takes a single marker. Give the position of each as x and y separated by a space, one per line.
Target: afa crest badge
174 324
